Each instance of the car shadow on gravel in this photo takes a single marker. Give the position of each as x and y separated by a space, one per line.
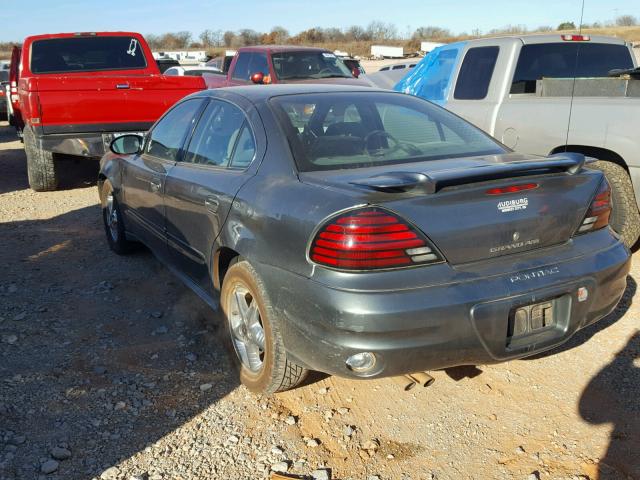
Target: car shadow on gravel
586 334
100 355
612 397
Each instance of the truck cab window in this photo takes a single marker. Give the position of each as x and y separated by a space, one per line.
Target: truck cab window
558 60
475 73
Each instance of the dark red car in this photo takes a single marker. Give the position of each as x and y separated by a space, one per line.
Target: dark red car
270 64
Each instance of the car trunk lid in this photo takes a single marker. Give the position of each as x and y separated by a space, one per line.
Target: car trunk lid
454 201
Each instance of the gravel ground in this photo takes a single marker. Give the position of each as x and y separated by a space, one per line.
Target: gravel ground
111 369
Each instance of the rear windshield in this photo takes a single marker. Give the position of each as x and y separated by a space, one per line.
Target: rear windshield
4 75
331 131
86 54
566 60
311 64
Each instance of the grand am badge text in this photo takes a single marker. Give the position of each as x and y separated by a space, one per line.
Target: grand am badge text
513 205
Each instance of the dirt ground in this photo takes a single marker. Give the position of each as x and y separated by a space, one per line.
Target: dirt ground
110 368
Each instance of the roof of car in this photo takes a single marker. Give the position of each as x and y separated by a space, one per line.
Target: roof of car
281 48
538 38
255 93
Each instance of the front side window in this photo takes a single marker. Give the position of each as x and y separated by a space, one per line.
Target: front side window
222 135
566 60
308 64
249 63
475 73
168 135
86 54
330 131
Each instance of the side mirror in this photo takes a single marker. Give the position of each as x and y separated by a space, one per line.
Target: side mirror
126 145
355 72
257 78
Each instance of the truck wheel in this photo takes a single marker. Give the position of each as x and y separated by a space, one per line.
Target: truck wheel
625 218
113 223
254 333
41 167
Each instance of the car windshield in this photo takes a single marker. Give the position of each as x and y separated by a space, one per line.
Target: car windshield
308 64
86 54
331 131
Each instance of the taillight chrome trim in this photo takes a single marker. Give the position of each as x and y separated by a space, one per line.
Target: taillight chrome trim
419 256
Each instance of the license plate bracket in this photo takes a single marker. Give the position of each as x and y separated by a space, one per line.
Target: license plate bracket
532 318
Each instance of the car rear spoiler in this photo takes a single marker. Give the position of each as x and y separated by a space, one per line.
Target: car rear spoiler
432 182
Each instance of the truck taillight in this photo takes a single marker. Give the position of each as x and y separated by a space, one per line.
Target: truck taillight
370 239
597 216
575 38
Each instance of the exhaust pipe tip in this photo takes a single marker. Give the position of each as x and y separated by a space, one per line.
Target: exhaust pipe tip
420 378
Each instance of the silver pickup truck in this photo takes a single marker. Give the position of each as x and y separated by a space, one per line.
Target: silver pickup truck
512 88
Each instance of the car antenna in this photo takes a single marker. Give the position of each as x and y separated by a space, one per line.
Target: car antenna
575 74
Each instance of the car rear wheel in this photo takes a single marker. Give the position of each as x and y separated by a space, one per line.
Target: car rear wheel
41 167
113 224
625 218
253 331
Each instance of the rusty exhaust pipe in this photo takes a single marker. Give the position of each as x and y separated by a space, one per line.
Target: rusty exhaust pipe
421 378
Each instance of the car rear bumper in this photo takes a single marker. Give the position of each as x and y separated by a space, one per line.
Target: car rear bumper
446 324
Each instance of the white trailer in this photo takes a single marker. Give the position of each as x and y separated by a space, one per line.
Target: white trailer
385 51
426 47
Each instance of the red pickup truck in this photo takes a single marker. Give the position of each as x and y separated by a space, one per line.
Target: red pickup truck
284 64
78 90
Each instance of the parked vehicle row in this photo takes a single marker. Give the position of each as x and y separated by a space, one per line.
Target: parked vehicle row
496 84
320 218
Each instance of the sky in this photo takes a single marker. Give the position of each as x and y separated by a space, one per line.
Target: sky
160 16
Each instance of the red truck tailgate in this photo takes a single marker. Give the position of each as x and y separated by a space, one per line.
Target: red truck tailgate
92 103
150 96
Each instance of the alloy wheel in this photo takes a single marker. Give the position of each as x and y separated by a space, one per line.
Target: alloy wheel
245 325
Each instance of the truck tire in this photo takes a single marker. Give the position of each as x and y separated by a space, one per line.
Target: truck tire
255 339
41 167
625 218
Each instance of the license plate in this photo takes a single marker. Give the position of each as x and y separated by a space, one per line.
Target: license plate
531 318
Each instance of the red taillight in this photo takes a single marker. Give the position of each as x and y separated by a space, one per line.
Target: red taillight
512 189
370 238
597 216
575 38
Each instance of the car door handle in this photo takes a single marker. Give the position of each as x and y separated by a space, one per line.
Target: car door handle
122 86
212 204
155 185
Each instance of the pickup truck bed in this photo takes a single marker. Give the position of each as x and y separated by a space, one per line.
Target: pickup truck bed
519 90
76 91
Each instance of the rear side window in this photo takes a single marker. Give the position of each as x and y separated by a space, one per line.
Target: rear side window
168 135
86 54
564 60
222 136
475 73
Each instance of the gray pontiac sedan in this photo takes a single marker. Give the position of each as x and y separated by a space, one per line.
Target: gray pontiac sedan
363 233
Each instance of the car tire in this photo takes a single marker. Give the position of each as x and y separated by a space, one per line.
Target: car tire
41 167
113 221
625 217
271 369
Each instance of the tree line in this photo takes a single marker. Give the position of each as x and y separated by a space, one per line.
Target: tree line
355 37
